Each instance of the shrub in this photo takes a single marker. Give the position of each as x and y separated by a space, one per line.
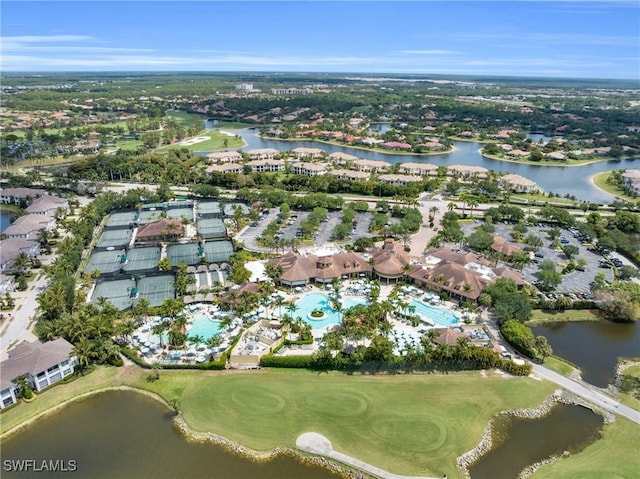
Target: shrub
286 361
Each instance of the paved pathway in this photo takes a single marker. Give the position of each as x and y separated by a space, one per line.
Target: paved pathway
318 444
587 392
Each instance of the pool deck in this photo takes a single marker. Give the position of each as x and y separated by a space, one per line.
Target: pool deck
315 443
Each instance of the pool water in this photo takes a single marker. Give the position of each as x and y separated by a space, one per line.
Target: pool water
202 325
313 301
441 317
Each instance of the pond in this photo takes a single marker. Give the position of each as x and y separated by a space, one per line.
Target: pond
593 346
518 442
5 220
120 434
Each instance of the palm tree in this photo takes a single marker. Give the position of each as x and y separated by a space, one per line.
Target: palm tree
83 351
226 322
196 339
21 263
214 341
159 330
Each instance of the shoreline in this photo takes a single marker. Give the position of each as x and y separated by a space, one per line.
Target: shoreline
540 163
615 195
364 148
196 436
560 396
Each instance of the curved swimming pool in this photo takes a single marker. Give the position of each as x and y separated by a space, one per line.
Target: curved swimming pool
438 316
312 301
202 325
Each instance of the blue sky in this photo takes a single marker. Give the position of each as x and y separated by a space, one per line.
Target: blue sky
585 39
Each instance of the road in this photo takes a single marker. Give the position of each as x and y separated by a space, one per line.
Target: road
589 393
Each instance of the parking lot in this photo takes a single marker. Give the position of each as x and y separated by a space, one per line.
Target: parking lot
575 282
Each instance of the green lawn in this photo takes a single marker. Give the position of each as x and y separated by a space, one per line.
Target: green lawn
628 398
559 365
407 424
129 145
616 456
186 119
216 141
600 180
542 198
543 315
415 424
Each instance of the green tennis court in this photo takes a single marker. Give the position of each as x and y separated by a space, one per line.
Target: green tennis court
179 213
218 251
229 208
148 217
211 228
114 239
209 208
189 253
121 220
141 259
117 292
156 289
107 262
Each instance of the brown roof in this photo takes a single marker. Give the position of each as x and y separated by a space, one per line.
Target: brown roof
452 277
300 268
448 336
163 227
501 245
33 358
447 254
390 259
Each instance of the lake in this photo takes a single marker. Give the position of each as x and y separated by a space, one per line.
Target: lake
5 220
573 180
120 434
593 346
519 442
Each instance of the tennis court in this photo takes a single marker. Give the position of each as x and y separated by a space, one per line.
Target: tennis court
189 253
229 208
114 239
121 220
153 206
141 259
218 251
117 292
212 228
156 289
107 262
209 208
179 204
179 213
148 217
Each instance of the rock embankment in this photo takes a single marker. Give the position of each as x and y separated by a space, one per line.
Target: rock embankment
559 396
211 438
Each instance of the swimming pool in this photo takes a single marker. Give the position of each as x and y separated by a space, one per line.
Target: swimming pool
202 325
441 317
312 301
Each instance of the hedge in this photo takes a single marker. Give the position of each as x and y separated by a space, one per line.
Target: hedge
286 361
221 364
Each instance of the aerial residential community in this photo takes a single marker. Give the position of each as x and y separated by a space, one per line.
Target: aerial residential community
386 275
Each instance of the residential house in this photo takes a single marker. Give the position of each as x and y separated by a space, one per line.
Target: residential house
266 166
301 152
12 247
398 180
27 227
631 178
421 169
556 156
47 205
467 172
518 154
350 175
371 165
262 154
340 158
20 196
225 156
43 364
7 284
517 183
225 168
309 169
395 145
